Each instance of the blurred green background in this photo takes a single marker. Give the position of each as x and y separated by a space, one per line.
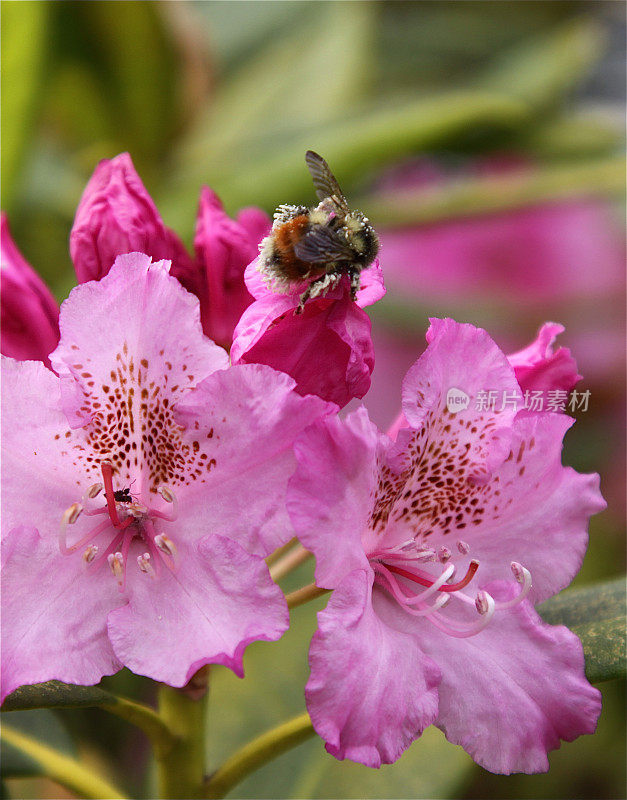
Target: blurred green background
231 94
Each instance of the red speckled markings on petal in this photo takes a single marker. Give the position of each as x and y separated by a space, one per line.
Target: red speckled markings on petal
123 391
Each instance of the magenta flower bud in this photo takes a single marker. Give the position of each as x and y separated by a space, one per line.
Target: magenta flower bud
327 349
540 367
224 248
116 215
30 314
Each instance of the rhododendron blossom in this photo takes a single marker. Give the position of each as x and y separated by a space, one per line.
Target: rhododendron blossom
327 348
539 367
30 314
116 215
436 546
143 484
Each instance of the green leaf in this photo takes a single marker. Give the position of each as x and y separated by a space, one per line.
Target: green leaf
352 146
23 54
543 69
469 197
42 725
55 694
596 613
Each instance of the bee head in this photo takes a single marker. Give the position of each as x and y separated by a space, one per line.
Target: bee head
361 236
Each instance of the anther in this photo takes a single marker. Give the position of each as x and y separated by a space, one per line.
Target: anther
143 562
166 493
94 490
463 548
90 553
165 544
444 554
116 564
482 602
71 514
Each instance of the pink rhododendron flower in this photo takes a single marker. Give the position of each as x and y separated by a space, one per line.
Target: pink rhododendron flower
116 215
224 247
143 484
327 349
436 546
541 368
30 314
538 368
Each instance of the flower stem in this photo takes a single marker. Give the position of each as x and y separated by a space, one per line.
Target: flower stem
257 753
304 595
143 717
281 551
181 769
288 562
61 768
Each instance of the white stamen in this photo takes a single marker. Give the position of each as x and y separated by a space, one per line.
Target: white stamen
165 544
444 554
116 564
482 602
486 601
71 514
144 564
463 548
90 553
523 577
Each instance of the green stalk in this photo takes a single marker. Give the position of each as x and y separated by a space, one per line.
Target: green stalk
181 769
257 753
304 595
61 768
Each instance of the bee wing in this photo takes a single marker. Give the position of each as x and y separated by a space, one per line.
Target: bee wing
323 246
324 181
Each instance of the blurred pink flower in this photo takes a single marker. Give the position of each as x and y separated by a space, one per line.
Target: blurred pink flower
480 493
550 252
29 312
327 349
116 215
130 537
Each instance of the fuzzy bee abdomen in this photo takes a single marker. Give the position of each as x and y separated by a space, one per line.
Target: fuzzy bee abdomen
284 237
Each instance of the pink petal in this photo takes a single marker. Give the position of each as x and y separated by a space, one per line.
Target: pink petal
116 215
53 615
371 691
534 511
29 313
243 422
331 494
327 349
132 342
224 248
219 601
509 694
42 474
460 361
540 367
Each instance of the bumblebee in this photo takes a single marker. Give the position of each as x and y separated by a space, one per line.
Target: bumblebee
319 244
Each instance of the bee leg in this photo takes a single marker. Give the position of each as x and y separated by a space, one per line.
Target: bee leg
303 299
319 286
355 283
